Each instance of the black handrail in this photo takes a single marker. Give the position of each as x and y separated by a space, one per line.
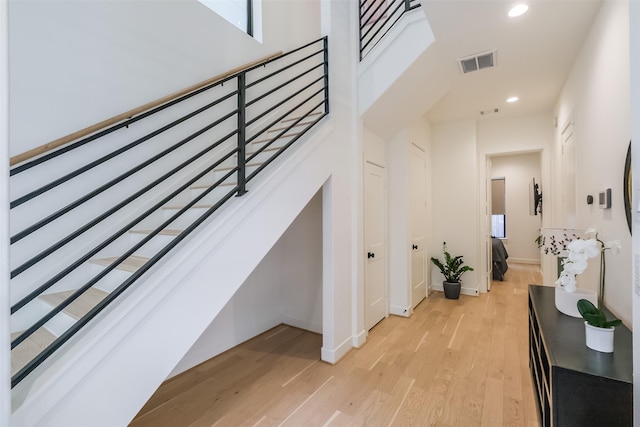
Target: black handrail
297 96
377 17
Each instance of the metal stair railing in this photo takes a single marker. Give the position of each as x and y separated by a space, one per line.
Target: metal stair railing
145 183
377 17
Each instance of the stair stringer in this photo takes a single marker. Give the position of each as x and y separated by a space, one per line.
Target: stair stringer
111 369
397 50
407 71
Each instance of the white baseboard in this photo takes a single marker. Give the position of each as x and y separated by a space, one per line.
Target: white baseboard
400 311
359 339
523 261
334 355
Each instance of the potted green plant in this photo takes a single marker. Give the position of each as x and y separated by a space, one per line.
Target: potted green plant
598 330
452 269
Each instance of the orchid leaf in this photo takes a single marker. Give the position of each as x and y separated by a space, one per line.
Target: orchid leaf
594 316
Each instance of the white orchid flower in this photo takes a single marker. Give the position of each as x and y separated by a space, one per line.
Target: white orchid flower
575 267
568 282
589 247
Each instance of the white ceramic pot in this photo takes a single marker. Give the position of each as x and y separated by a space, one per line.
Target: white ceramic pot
599 339
567 302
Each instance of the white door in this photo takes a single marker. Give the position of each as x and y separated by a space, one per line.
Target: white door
375 271
417 215
487 224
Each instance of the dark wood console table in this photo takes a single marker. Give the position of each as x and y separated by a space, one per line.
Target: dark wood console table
574 385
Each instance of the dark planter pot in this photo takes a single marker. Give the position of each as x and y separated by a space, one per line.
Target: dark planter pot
451 290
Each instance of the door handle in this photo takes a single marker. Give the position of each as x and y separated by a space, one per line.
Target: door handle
370 255
415 246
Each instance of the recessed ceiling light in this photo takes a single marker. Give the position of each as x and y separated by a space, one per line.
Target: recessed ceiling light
518 10
512 99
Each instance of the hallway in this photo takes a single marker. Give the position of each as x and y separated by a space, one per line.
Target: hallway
453 363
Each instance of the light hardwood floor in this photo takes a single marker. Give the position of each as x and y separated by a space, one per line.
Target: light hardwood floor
452 363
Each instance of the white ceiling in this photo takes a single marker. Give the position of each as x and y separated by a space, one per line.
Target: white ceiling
535 53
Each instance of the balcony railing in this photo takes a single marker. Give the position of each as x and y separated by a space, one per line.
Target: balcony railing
90 218
377 17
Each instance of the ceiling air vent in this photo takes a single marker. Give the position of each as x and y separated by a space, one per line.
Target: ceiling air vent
477 62
486 112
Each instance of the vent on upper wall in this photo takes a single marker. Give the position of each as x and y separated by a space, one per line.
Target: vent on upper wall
477 62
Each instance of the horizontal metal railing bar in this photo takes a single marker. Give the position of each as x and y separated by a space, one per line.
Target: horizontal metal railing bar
106 270
126 123
56 344
280 103
158 102
272 158
34 260
115 153
296 118
264 147
34 294
293 64
281 117
284 55
179 236
388 28
384 13
279 129
50 218
366 36
284 84
371 4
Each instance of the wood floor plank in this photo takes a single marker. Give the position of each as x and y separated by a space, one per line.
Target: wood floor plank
452 363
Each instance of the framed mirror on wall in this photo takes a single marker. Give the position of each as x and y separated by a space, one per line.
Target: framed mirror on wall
627 187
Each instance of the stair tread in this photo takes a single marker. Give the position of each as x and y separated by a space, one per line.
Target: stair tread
165 232
192 207
131 264
228 168
288 135
296 118
292 127
80 306
24 352
225 184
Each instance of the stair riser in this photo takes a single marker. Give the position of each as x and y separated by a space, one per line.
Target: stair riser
213 196
262 157
185 219
153 246
23 284
26 317
112 280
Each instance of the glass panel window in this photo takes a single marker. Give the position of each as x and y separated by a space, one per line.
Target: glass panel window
498 226
498 208
241 13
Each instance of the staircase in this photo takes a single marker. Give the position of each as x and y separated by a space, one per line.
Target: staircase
121 269
95 230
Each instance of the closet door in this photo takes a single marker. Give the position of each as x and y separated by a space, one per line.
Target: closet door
417 215
375 264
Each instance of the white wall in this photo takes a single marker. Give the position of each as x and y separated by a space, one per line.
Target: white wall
398 155
5 353
343 316
635 137
597 93
522 228
286 287
454 176
517 135
73 64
